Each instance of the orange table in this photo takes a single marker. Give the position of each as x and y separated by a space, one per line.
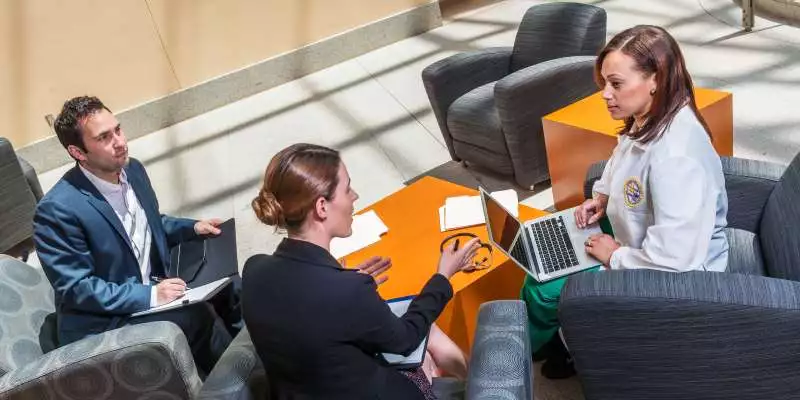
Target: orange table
583 133
413 245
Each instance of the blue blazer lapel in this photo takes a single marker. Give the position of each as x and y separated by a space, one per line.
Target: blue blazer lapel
99 202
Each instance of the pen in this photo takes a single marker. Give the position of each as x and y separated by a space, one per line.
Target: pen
455 246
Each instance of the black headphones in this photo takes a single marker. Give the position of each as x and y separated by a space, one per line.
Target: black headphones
479 262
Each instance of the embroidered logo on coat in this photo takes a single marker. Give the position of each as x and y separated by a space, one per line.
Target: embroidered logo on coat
633 191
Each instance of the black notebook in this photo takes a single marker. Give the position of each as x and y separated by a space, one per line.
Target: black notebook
206 259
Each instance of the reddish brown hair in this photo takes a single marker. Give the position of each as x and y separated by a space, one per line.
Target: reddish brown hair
295 178
654 51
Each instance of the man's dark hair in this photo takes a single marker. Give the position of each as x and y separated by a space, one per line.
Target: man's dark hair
68 122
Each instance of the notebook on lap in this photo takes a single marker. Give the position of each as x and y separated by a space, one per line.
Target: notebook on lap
399 307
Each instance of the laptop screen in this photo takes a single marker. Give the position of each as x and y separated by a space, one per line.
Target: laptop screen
503 229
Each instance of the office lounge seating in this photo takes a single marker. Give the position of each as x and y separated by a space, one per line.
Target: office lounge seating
489 103
500 365
133 362
19 192
700 335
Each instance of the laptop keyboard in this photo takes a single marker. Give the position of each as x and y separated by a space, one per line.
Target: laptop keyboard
554 245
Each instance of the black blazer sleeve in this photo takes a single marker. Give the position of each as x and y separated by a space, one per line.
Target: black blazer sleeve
376 329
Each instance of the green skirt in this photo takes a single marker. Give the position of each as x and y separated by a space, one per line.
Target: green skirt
541 300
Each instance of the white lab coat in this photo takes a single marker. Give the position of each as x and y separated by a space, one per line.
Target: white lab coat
666 200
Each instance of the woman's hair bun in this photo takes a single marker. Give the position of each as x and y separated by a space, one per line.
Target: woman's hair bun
268 209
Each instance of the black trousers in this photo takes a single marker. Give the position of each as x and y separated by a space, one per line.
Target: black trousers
227 305
203 328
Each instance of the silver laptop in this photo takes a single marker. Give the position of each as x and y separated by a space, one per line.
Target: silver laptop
546 248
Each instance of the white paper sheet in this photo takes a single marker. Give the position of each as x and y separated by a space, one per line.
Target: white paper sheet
464 211
367 229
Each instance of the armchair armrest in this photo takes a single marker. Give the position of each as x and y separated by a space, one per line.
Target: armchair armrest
529 94
448 79
501 353
238 374
119 364
694 335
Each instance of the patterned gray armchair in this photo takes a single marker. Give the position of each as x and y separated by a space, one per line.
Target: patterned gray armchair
489 103
148 361
701 335
500 366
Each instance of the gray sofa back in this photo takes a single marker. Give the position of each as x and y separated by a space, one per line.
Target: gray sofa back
554 30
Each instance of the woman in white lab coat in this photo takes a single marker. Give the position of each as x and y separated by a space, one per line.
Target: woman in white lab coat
662 190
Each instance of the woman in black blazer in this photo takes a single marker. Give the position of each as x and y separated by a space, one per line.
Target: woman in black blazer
317 326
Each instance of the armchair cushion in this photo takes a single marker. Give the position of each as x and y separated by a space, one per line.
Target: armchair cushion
473 119
125 363
744 254
475 128
26 303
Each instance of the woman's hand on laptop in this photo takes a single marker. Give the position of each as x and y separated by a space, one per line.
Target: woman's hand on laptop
591 211
454 259
601 246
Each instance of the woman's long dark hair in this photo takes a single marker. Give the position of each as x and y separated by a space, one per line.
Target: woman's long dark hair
654 51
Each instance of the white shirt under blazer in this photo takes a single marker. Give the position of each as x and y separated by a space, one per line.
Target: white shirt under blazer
666 200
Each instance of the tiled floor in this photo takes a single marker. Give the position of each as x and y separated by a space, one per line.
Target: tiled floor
374 109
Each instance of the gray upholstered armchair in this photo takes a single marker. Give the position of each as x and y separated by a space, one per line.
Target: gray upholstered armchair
500 366
143 361
701 335
19 192
489 103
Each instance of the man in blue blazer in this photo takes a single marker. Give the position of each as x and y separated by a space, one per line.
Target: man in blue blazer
102 241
